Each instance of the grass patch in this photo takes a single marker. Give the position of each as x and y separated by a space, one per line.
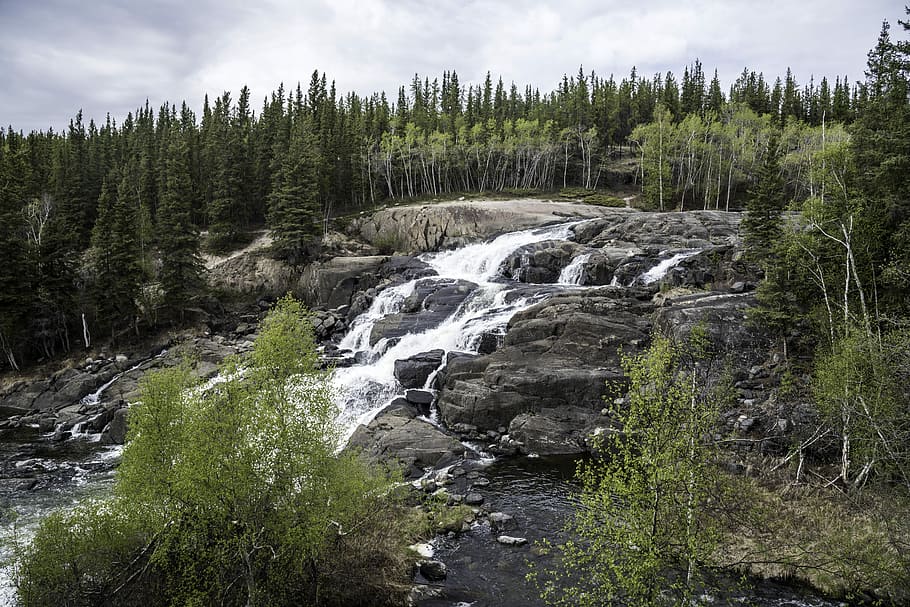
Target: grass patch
594 197
845 546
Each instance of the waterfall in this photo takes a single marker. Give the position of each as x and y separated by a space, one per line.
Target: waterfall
573 274
661 269
364 389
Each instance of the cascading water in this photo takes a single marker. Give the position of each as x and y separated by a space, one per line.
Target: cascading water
574 273
660 270
365 388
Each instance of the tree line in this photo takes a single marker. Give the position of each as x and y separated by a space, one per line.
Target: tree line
102 225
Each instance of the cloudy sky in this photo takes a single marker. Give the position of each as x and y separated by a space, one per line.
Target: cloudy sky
57 56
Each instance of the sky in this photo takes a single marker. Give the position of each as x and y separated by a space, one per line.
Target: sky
109 56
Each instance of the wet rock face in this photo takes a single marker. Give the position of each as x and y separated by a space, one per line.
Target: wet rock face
413 372
541 262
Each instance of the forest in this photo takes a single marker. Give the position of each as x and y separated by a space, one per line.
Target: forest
102 226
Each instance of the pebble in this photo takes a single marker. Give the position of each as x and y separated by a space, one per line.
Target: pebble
473 499
508 540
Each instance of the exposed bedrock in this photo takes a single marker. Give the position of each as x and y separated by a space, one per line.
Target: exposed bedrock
398 433
557 354
428 306
446 225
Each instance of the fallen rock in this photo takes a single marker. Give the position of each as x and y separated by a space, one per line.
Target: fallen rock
473 499
433 570
500 521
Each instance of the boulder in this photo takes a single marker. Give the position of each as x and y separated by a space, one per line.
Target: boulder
413 372
473 499
422 399
433 570
397 434
500 521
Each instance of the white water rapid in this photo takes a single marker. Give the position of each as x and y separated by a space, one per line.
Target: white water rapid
573 273
365 388
660 270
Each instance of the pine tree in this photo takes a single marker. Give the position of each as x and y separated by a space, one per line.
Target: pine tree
294 210
881 156
226 212
178 238
761 224
14 287
116 254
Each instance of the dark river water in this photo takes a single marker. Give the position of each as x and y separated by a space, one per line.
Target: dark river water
538 492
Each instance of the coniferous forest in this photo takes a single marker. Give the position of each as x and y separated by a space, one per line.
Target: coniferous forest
103 224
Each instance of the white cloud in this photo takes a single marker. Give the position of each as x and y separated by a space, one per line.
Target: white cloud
110 55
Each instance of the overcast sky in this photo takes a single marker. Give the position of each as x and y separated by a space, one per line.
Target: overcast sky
57 56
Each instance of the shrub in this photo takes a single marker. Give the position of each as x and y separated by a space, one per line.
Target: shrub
234 495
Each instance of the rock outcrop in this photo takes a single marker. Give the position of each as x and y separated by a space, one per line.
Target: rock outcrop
397 433
446 225
413 372
552 369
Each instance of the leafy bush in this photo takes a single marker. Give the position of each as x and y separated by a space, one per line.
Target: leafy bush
234 495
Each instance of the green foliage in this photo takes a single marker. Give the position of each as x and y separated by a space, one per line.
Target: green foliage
178 240
842 547
644 529
118 274
592 197
294 208
14 285
860 386
761 224
78 557
233 495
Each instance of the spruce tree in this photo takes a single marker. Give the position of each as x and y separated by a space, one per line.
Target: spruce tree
761 224
294 210
178 239
14 287
116 254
